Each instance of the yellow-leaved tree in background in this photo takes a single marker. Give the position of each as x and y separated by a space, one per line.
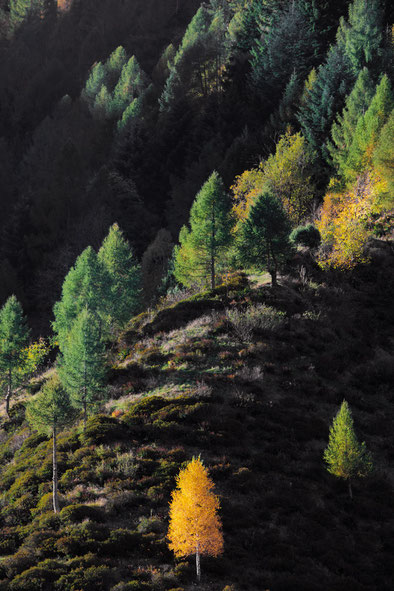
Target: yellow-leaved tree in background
286 174
195 526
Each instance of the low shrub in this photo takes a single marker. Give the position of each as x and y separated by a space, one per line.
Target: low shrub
45 503
102 429
77 513
36 578
88 579
254 318
121 542
49 520
308 236
149 525
26 482
9 540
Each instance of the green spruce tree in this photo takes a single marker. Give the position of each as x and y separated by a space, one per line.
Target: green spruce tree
324 99
345 457
263 238
48 412
81 365
203 248
343 128
14 337
124 274
361 36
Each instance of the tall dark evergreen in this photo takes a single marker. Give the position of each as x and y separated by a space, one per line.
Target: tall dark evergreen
325 99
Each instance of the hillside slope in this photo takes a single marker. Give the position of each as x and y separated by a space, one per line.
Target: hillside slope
249 378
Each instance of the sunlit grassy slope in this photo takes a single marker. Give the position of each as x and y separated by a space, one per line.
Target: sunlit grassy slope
250 378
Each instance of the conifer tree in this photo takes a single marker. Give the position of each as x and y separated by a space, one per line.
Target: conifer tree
85 285
343 128
383 156
114 65
287 48
195 526
263 237
14 336
345 456
103 107
361 36
202 248
81 364
49 412
20 10
368 130
124 276
131 84
324 99
97 78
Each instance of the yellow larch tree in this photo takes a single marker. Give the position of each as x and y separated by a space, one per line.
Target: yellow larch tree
195 527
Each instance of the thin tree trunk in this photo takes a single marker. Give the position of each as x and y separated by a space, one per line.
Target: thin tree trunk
198 565
54 477
9 392
85 412
213 272
350 489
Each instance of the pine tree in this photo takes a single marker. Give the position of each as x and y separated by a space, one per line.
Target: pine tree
14 336
20 10
130 114
131 84
368 130
202 249
343 128
287 48
124 275
383 156
48 412
97 78
85 285
263 237
345 456
195 526
361 36
114 66
324 99
81 365
103 107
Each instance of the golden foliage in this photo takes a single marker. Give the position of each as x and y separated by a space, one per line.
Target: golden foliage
194 522
343 222
285 173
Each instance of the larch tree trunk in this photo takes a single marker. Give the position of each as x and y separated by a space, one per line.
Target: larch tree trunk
54 476
198 564
9 393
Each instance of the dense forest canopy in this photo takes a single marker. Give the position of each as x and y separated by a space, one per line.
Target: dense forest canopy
120 110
